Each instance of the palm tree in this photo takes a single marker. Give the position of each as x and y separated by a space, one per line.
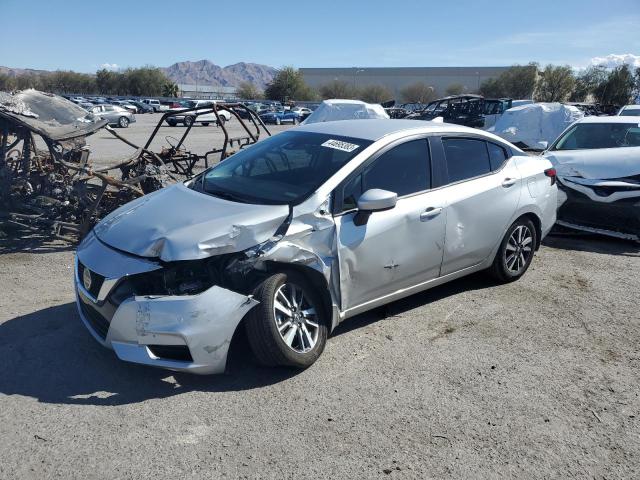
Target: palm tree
170 89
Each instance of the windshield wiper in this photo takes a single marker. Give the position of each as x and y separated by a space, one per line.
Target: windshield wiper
226 195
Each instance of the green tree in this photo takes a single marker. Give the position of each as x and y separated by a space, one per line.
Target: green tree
248 91
418 92
555 84
375 94
492 88
287 85
517 82
587 81
170 89
455 89
338 89
106 81
617 89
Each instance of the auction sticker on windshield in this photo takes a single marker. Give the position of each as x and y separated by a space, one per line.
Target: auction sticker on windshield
338 145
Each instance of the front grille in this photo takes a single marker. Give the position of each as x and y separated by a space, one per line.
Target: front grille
96 280
97 321
171 352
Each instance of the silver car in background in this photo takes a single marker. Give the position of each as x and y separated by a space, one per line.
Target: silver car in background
296 233
115 115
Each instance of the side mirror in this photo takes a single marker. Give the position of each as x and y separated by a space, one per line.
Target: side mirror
374 200
544 145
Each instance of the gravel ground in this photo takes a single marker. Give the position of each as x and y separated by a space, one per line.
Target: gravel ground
535 379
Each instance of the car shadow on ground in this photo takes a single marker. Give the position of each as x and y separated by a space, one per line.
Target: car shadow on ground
586 242
32 243
48 355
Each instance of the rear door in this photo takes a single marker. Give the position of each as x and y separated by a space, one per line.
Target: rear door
396 248
483 191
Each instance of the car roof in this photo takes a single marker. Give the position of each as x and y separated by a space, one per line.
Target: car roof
375 129
613 119
631 107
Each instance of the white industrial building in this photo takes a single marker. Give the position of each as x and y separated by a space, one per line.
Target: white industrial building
397 78
207 92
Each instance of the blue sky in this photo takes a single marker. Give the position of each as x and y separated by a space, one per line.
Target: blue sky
83 35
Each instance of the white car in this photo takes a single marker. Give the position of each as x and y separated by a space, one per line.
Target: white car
196 116
597 160
156 105
630 111
307 228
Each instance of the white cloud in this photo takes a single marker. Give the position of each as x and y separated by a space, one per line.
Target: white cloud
612 60
110 66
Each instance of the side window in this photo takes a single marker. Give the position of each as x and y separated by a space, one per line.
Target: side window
466 158
351 193
404 169
497 156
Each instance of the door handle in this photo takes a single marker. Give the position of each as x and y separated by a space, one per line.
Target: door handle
430 213
508 182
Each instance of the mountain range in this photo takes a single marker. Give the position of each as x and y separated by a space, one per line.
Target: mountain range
203 72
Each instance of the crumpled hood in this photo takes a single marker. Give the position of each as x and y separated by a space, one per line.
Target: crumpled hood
177 223
600 163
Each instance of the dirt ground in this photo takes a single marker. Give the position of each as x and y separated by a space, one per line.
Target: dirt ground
535 379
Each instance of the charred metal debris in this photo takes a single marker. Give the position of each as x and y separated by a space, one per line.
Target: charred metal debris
48 185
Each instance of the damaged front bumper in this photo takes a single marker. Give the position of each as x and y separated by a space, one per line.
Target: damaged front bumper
606 207
179 332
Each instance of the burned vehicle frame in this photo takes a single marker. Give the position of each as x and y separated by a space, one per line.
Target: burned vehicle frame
469 110
48 186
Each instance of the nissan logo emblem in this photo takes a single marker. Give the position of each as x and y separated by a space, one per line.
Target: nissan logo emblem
86 278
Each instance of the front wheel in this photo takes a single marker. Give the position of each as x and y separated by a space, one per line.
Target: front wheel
516 251
289 326
278 121
123 122
222 120
188 121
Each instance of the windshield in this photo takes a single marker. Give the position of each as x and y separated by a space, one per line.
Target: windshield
283 169
600 135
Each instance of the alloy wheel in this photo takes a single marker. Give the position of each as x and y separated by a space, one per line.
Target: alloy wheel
518 249
296 318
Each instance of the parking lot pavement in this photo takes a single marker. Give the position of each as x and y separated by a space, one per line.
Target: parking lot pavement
106 149
537 378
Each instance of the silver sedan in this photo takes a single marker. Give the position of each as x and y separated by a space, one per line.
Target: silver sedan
114 114
299 232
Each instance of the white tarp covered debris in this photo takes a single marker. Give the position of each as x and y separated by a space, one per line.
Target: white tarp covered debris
337 109
536 123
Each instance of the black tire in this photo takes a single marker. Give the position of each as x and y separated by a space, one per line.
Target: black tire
295 120
222 120
188 121
502 268
123 122
205 124
278 121
267 343
172 122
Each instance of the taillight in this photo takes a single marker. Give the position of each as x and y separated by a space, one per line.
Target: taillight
551 173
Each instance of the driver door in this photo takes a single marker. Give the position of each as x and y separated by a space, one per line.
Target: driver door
397 248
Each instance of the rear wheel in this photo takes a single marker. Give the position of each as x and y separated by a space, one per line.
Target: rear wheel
278 121
289 326
188 121
172 122
516 251
123 122
222 120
